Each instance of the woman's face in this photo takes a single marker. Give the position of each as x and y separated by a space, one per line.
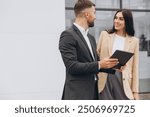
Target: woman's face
119 22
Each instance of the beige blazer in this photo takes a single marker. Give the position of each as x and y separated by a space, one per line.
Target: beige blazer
130 72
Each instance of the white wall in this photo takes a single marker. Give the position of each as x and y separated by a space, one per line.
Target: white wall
30 63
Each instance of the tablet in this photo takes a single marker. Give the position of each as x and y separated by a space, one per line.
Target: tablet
122 56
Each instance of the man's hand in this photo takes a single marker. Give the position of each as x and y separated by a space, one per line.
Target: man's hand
108 63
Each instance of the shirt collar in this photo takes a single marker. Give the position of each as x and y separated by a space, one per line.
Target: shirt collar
82 30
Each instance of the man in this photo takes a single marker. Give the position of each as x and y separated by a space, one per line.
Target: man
78 50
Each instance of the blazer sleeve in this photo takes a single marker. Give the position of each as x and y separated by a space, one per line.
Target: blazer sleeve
68 49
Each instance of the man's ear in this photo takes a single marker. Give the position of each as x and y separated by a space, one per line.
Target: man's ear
86 14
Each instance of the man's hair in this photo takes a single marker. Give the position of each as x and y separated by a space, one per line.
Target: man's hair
81 5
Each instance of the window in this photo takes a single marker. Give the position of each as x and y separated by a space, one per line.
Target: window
105 10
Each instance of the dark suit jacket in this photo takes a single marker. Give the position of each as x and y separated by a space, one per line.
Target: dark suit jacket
81 69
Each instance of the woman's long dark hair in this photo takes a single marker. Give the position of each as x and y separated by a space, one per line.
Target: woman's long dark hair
129 26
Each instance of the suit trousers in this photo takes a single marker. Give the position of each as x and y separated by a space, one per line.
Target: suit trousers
113 89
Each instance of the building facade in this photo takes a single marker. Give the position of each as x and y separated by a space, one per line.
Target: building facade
105 10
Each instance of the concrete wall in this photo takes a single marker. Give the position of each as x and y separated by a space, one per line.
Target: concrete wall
30 62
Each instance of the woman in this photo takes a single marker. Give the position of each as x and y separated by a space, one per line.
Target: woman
122 85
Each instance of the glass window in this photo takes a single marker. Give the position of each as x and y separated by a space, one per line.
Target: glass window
70 3
142 29
104 20
136 4
69 18
98 3
107 3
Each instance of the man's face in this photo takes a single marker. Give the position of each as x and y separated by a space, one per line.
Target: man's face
91 16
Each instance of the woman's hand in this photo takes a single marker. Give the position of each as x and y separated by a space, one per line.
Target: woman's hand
136 96
121 69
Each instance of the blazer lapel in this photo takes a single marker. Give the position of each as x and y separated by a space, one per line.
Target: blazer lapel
110 42
127 43
82 39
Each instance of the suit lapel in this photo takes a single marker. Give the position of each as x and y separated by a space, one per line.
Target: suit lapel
83 40
93 47
80 35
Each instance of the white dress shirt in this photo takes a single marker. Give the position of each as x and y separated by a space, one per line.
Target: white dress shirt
118 43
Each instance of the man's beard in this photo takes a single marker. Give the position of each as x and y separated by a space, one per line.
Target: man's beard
91 24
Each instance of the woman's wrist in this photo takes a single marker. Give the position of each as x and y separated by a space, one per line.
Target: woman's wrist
136 92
